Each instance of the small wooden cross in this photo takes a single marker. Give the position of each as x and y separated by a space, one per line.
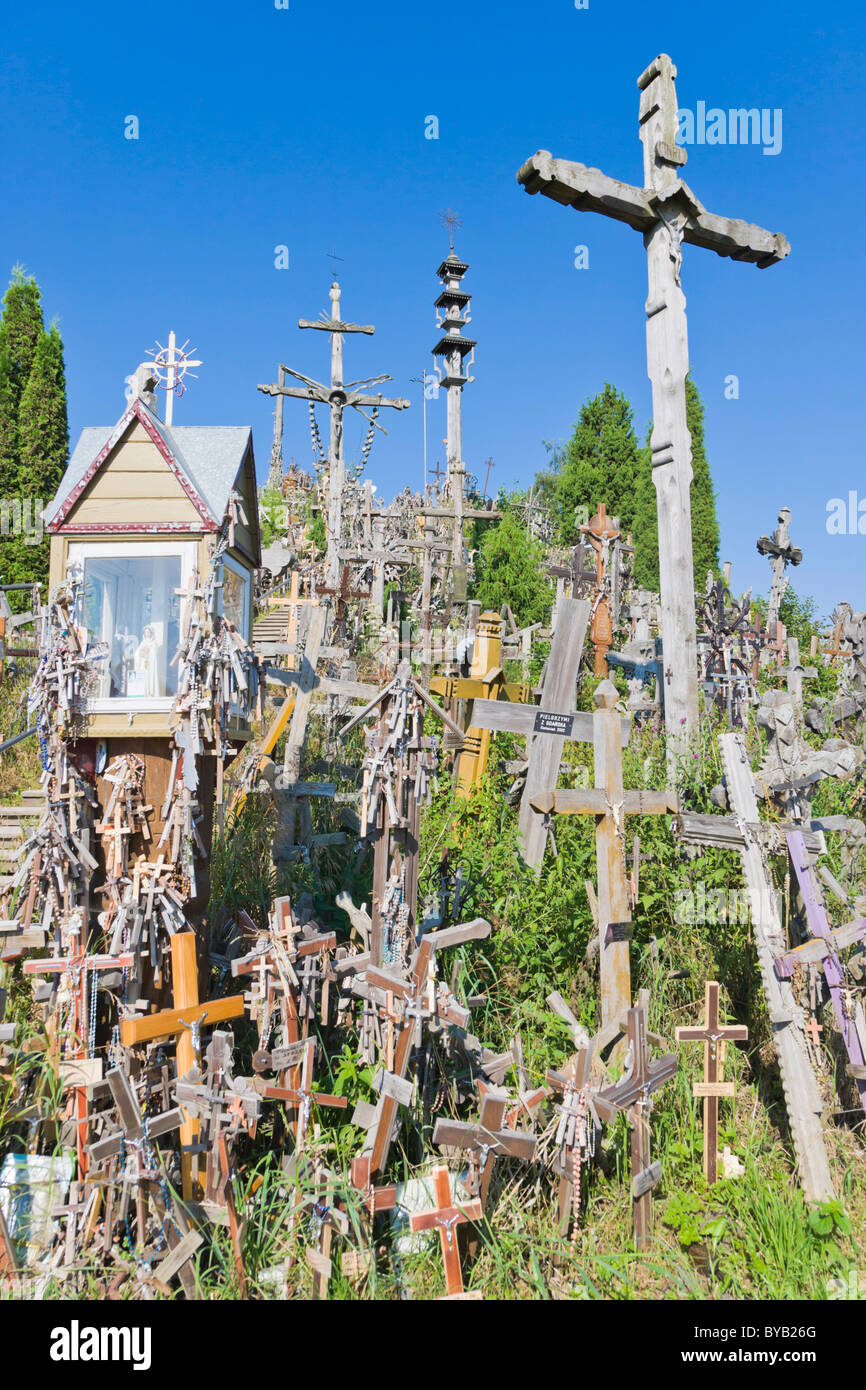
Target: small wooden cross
445 1218
601 532
714 1036
485 1141
632 1093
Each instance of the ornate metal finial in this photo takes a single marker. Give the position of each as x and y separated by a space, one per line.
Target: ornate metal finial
169 366
453 222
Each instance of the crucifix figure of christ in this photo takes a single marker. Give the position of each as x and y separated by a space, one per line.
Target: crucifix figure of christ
610 803
338 395
183 1022
633 1093
667 213
714 1036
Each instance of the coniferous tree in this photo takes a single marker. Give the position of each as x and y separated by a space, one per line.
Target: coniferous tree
510 568
34 433
20 330
599 464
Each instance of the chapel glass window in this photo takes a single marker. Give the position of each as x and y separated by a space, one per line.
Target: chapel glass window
133 609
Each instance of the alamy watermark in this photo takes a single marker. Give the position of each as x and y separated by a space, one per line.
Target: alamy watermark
737 126
846 516
22 516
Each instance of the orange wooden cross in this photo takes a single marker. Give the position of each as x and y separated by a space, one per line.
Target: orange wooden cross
445 1218
182 1022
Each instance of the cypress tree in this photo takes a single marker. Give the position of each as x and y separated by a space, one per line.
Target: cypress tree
599 464
20 330
34 432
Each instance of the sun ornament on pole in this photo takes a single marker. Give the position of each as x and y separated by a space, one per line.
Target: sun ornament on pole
170 365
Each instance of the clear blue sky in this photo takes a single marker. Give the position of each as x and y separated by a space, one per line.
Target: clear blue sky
305 126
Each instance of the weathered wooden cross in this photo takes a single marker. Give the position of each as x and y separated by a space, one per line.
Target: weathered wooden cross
610 803
633 1093
713 1035
667 213
337 396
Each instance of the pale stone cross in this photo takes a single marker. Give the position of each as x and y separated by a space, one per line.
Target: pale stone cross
667 213
338 395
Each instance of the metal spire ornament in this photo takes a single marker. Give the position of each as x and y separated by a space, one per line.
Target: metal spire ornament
170 366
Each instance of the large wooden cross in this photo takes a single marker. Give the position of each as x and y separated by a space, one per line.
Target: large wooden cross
667 213
182 1022
610 804
713 1035
337 396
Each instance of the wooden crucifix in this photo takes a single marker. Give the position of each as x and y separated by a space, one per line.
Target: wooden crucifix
610 803
486 1140
601 532
714 1036
337 396
782 553
183 1022
633 1094
446 1217
667 214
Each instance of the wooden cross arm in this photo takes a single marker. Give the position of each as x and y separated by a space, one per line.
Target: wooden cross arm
736 1033
627 1091
589 190
429 1220
157 1125
173 1021
337 326
819 947
513 1142
586 189
476 930
313 392
294 1096
594 801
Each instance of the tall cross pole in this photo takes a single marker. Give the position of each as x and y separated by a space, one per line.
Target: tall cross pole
338 395
667 213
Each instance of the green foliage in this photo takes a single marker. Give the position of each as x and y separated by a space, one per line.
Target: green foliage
599 464
272 514
34 434
315 524
705 525
510 569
